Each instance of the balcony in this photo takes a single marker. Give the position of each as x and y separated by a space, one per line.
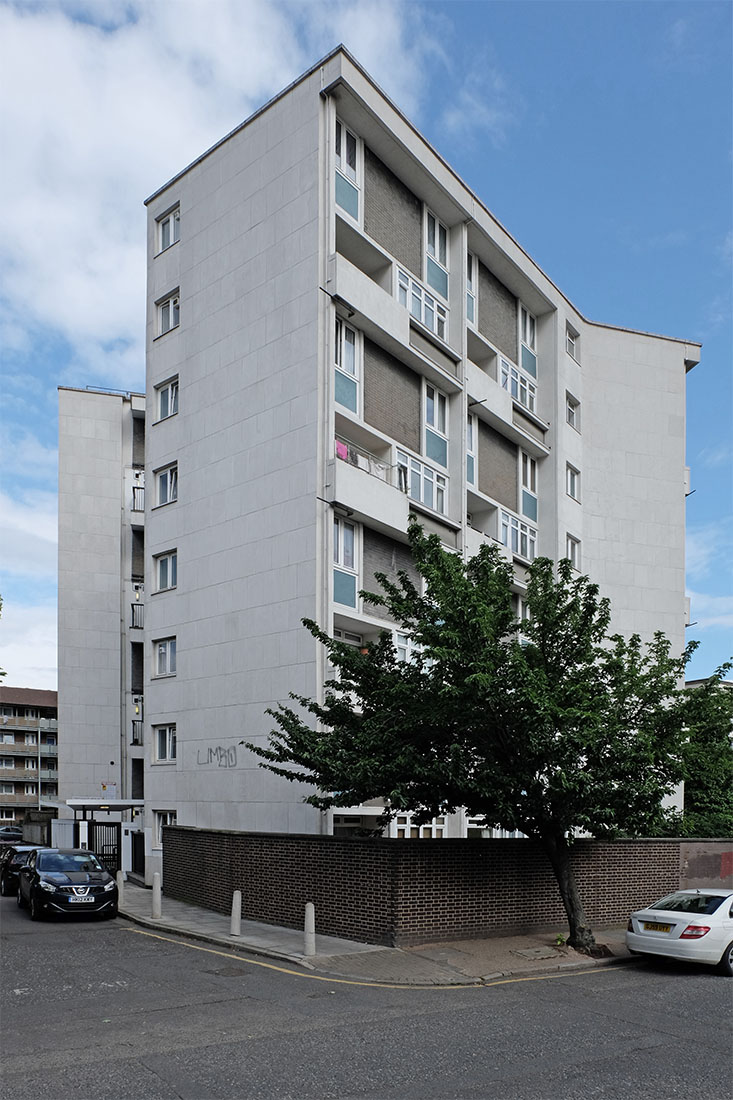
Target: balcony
137 732
368 486
138 498
137 615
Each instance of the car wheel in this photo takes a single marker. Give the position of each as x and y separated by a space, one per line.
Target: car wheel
19 899
725 966
4 888
34 908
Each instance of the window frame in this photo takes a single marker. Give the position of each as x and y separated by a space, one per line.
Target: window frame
31 764
170 557
7 763
517 383
170 473
421 305
572 411
341 330
572 343
572 550
471 289
171 217
341 167
436 420
472 449
172 302
528 340
437 252
171 389
509 524
167 649
528 485
161 818
409 467
572 481
339 557
165 735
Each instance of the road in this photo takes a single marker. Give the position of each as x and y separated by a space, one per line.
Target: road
108 1011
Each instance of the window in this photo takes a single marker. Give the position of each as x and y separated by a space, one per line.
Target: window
168 314
7 815
347 170
32 712
471 449
528 477
436 425
572 551
405 646
169 229
31 738
517 536
572 411
165 743
572 343
7 738
7 788
422 305
7 762
436 270
518 385
167 482
31 788
31 764
166 397
404 829
348 637
346 389
572 479
471 284
344 560
528 335
165 657
422 483
51 739
161 818
166 570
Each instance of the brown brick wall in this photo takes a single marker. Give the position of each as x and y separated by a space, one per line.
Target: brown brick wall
497 466
382 554
497 313
391 397
400 892
392 214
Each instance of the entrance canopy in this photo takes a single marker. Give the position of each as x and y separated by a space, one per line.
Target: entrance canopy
93 806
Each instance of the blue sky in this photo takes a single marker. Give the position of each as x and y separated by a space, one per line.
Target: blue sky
599 133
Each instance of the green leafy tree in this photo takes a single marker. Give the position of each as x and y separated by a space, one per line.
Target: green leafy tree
708 759
555 731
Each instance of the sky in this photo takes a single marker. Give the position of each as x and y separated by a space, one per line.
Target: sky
599 132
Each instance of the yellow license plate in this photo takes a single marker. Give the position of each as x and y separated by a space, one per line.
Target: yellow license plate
651 926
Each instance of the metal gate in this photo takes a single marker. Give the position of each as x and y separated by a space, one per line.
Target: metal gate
138 852
105 840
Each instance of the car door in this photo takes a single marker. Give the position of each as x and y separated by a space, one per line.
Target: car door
24 876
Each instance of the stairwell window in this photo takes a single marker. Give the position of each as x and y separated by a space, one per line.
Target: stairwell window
436 261
169 229
572 551
346 387
572 411
166 570
436 425
471 455
347 170
165 744
169 313
164 657
572 482
471 286
166 399
572 343
528 478
166 481
528 339
344 562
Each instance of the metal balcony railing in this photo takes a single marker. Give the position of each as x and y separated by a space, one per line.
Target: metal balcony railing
364 460
138 498
137 732
137 615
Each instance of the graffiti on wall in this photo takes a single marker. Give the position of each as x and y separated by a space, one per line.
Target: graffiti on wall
219 756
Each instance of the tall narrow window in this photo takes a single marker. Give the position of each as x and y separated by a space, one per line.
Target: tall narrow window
572 343
165 744
167 483
529 485
344 561
166 570
471 280
165 657
436 425
528 334
471 447
437 256
346 388
169 314
167 399
572 551
347 170
572 411
572 481
169 229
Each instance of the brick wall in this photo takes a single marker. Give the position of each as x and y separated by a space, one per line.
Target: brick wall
392 214
391 397
497 313
497 466
409 892
382 554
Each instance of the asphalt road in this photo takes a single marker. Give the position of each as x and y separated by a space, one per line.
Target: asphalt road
106 1011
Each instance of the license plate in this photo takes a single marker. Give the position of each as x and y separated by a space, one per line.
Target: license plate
651 926
80 901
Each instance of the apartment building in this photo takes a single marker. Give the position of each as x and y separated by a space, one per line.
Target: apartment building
339 334
28 752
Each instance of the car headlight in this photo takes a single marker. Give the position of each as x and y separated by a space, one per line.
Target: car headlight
109 886
47 886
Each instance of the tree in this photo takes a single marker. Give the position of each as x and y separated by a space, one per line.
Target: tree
708 759
548 726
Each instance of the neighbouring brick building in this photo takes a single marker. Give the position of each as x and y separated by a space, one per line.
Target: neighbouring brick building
28 751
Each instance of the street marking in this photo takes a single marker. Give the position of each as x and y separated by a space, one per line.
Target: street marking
370 985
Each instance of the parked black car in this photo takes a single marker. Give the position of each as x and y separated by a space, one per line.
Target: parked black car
12 858
10 834
66 880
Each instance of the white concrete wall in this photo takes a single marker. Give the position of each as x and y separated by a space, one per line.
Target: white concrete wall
245 439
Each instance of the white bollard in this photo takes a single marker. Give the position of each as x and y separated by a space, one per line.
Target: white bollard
310 929
156 896
235 928
120 889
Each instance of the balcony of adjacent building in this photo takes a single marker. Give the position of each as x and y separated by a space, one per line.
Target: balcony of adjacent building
136 719
22 747
135 494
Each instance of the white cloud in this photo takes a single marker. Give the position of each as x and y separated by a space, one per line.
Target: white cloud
720 454
709 548
25 457
28 649
711 611
482 104
28 534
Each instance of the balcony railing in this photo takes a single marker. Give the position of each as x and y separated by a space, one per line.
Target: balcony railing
137 615
137 732
138 498
363 460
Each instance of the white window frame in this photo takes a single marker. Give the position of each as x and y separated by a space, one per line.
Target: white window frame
31 738
7 763
517 535
403 829
161 818
166 392
346 548
422 305
169 313
348 637
437 244
471 289
572 343
528 328
172 221
518 384
528 483
351 174
345 337
472 449
7 738
572 481
572 550
7 815
31 788
31 764
572 411
164 657
7 788
168 563
423 483
166 485
406 648
164 737
436 419
32 712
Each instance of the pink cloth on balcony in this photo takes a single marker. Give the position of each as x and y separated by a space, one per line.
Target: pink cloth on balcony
342 451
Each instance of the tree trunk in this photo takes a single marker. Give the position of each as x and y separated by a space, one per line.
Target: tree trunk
558 852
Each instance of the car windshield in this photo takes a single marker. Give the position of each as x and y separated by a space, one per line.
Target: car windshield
690 903
68 861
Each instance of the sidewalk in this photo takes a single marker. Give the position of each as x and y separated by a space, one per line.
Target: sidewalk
460 962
